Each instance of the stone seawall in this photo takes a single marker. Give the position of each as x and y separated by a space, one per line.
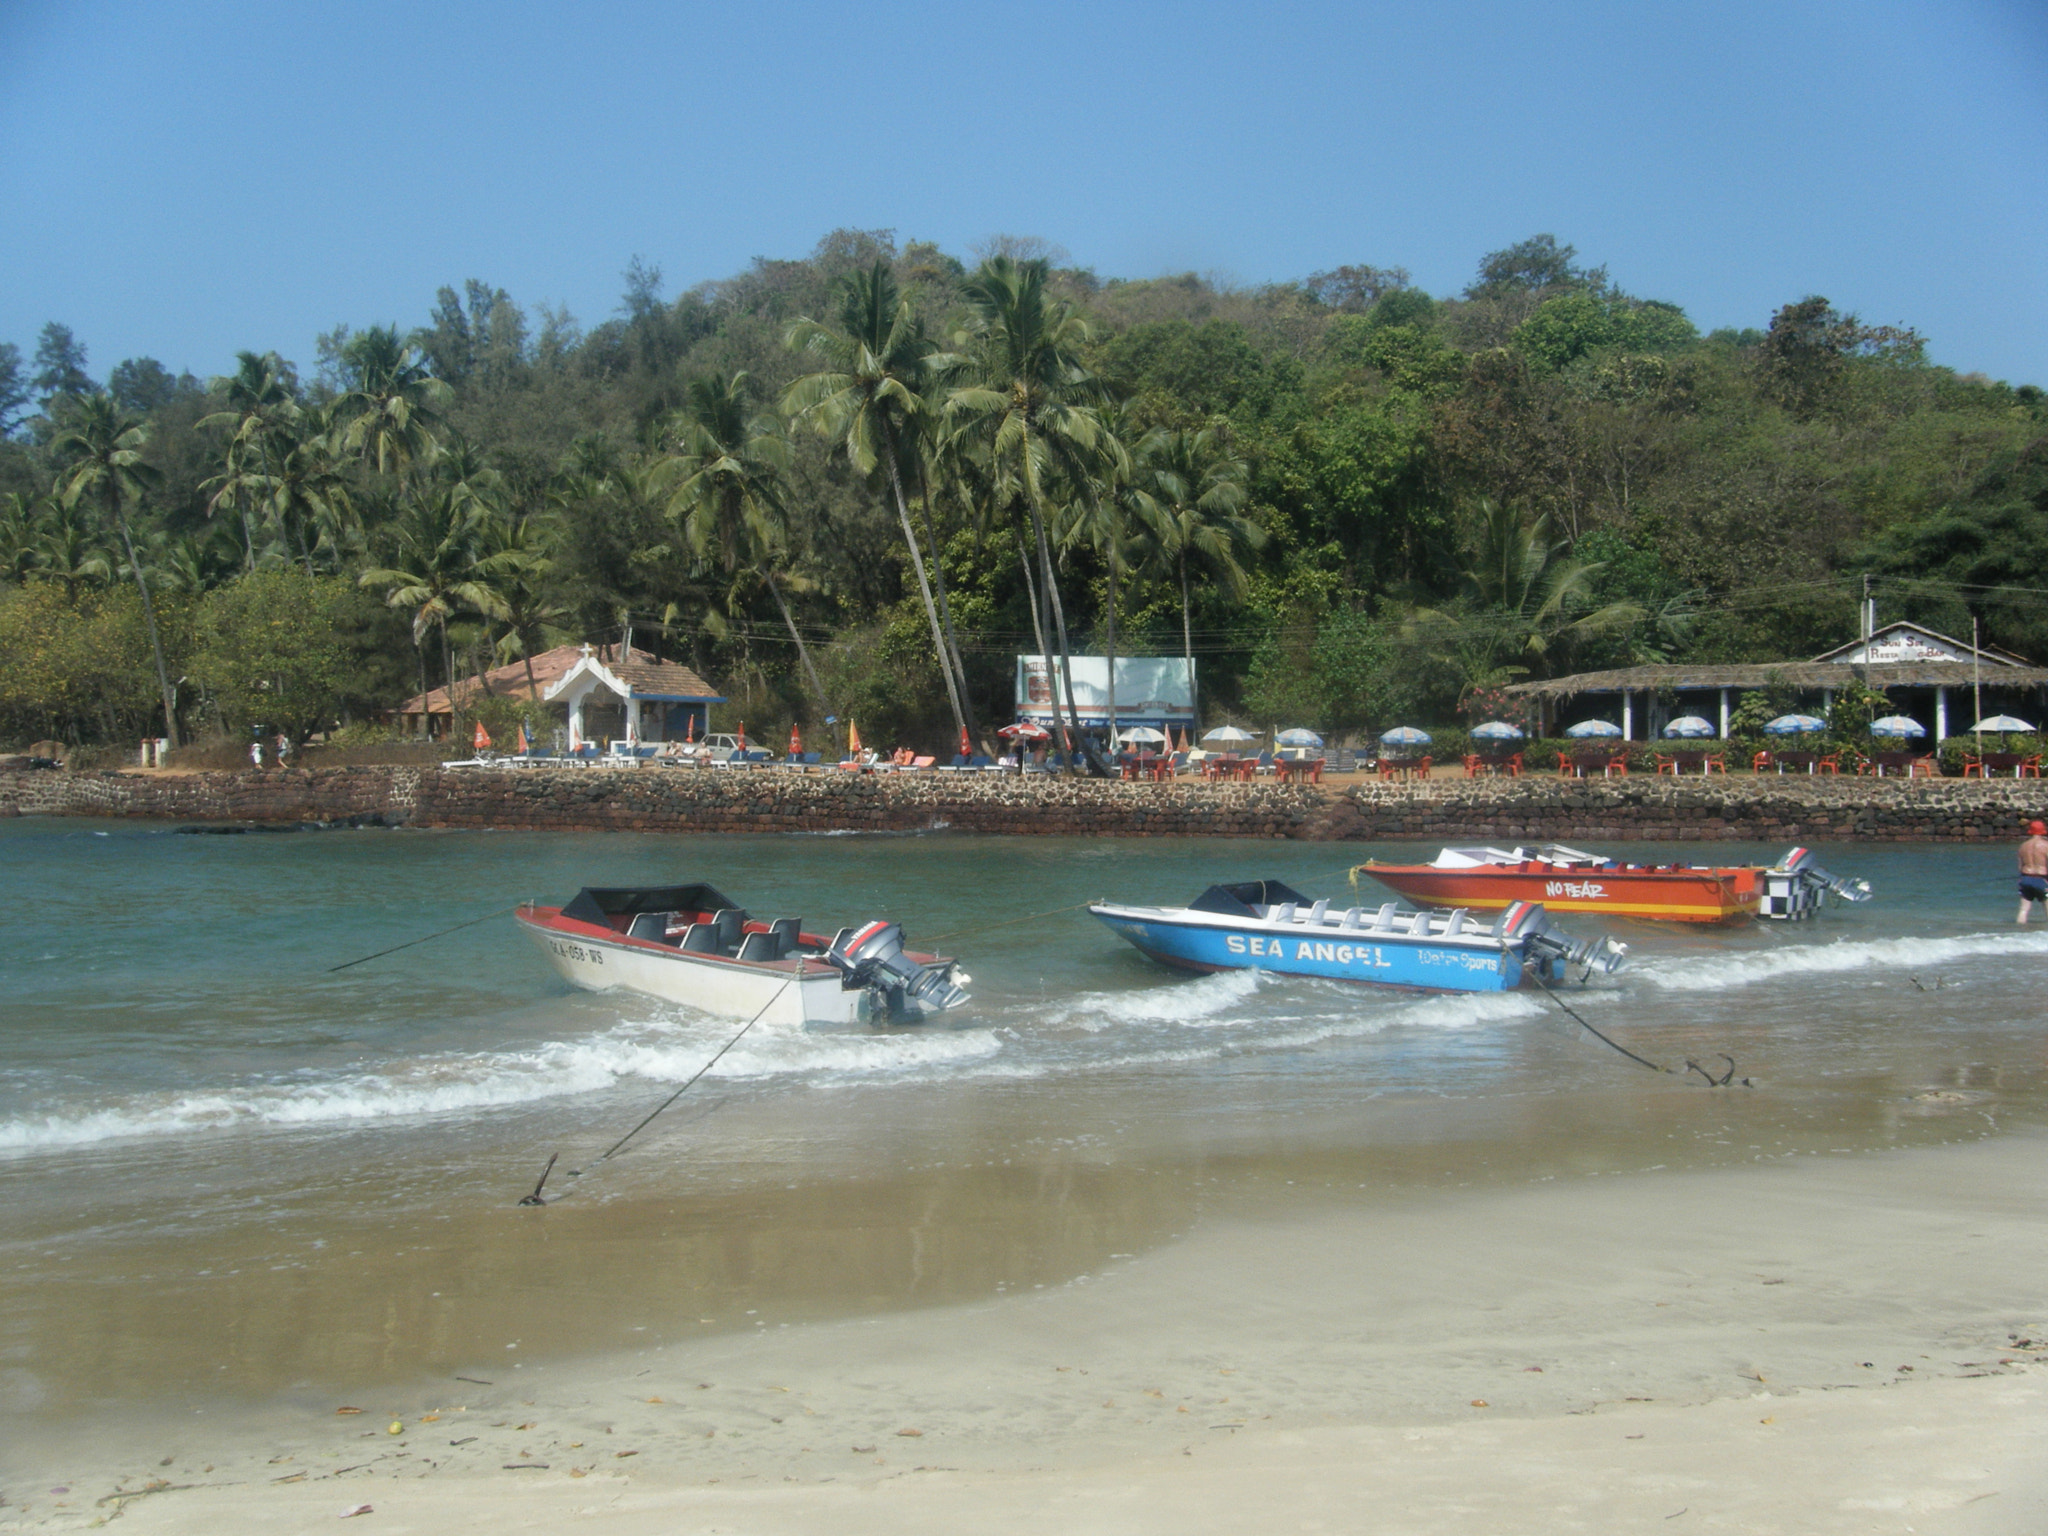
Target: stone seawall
670 800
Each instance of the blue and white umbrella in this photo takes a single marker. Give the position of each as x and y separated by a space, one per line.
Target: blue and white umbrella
1405 736
1298 738
1897 725
1593 728
1794 725
1226 733
1496 730
1690 725
2005 724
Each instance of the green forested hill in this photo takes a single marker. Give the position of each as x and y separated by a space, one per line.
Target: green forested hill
1349 499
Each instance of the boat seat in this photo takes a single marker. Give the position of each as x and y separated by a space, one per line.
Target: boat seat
788 931
759 945
731 923
1457 921
1315 913
1285 914
650 925
1349 919
701 939
1384 918
1419 923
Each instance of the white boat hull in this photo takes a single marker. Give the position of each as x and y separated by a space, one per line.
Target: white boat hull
796 992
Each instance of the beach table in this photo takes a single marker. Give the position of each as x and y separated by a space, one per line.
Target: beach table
1308 770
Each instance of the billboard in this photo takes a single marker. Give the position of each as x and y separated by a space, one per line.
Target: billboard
1150 690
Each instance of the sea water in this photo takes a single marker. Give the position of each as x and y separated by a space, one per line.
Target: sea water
228 1167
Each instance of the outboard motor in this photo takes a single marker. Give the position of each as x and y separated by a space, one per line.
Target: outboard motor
1795 888
871 956
1550 950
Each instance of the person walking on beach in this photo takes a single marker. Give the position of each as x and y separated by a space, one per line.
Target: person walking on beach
2034 868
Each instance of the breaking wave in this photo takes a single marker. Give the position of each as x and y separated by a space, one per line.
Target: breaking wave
1824 959
659 1051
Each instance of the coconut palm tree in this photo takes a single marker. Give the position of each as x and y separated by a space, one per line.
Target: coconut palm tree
1524 601
263 417
1025 389
101 451
724 488
20 531
393 404
68 549
306 497
1195 490
868 400
435 568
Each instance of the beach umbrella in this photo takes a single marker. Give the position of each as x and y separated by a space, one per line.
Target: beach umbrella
743 737
852 739
1689 725
1794 725
525 741
796 740
1593 728
1496 730
482 739
1025 730
690 727
1897 725
966 747
1226 733
1143 733
1405 736
2003 724
1299 738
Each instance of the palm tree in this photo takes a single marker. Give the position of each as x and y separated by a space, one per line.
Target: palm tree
101 450
392 407
435 569
20 535
1027 392
263 414
306 498
724 485
1525 601
69 549
1195 487
868 400
1106 523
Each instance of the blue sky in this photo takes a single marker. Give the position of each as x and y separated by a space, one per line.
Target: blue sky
180 181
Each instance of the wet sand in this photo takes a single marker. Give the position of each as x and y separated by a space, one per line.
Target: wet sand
1809 1343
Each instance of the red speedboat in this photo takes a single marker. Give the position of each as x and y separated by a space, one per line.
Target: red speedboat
1570 880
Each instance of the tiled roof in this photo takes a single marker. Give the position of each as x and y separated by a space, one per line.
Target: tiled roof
642 671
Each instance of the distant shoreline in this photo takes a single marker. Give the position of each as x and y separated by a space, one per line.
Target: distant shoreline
1536 808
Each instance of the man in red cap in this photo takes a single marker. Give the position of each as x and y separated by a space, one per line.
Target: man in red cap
2034 868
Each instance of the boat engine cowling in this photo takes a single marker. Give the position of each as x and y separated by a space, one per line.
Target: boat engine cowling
1802 863
872 957
1552 950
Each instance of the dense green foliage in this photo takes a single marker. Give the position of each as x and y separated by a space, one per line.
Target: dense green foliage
861 482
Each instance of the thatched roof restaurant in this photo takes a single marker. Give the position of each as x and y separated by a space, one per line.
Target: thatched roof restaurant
1916 667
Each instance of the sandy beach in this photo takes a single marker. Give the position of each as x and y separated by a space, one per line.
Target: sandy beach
1848 1343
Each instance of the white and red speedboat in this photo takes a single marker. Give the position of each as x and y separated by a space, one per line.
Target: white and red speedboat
692 944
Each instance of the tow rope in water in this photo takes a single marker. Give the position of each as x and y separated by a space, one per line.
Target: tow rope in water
1725 1080
409 943
577 1173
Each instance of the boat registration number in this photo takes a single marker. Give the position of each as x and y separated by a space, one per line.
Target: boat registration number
577 952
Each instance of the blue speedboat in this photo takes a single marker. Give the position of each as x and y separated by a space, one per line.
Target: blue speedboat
1265 925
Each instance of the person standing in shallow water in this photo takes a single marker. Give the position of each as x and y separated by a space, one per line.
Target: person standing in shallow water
2033 868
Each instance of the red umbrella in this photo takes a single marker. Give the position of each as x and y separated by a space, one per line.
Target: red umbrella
1025 730
482 738
743 736
966 749
796 740
690 727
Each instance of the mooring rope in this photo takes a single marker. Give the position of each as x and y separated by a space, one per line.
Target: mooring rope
409 943
1724 1080
577 1173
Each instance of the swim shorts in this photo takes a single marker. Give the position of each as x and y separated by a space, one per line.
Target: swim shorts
2033 888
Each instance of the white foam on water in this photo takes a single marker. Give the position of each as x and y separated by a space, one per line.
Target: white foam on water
1724 971
656 1050
1207 1000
